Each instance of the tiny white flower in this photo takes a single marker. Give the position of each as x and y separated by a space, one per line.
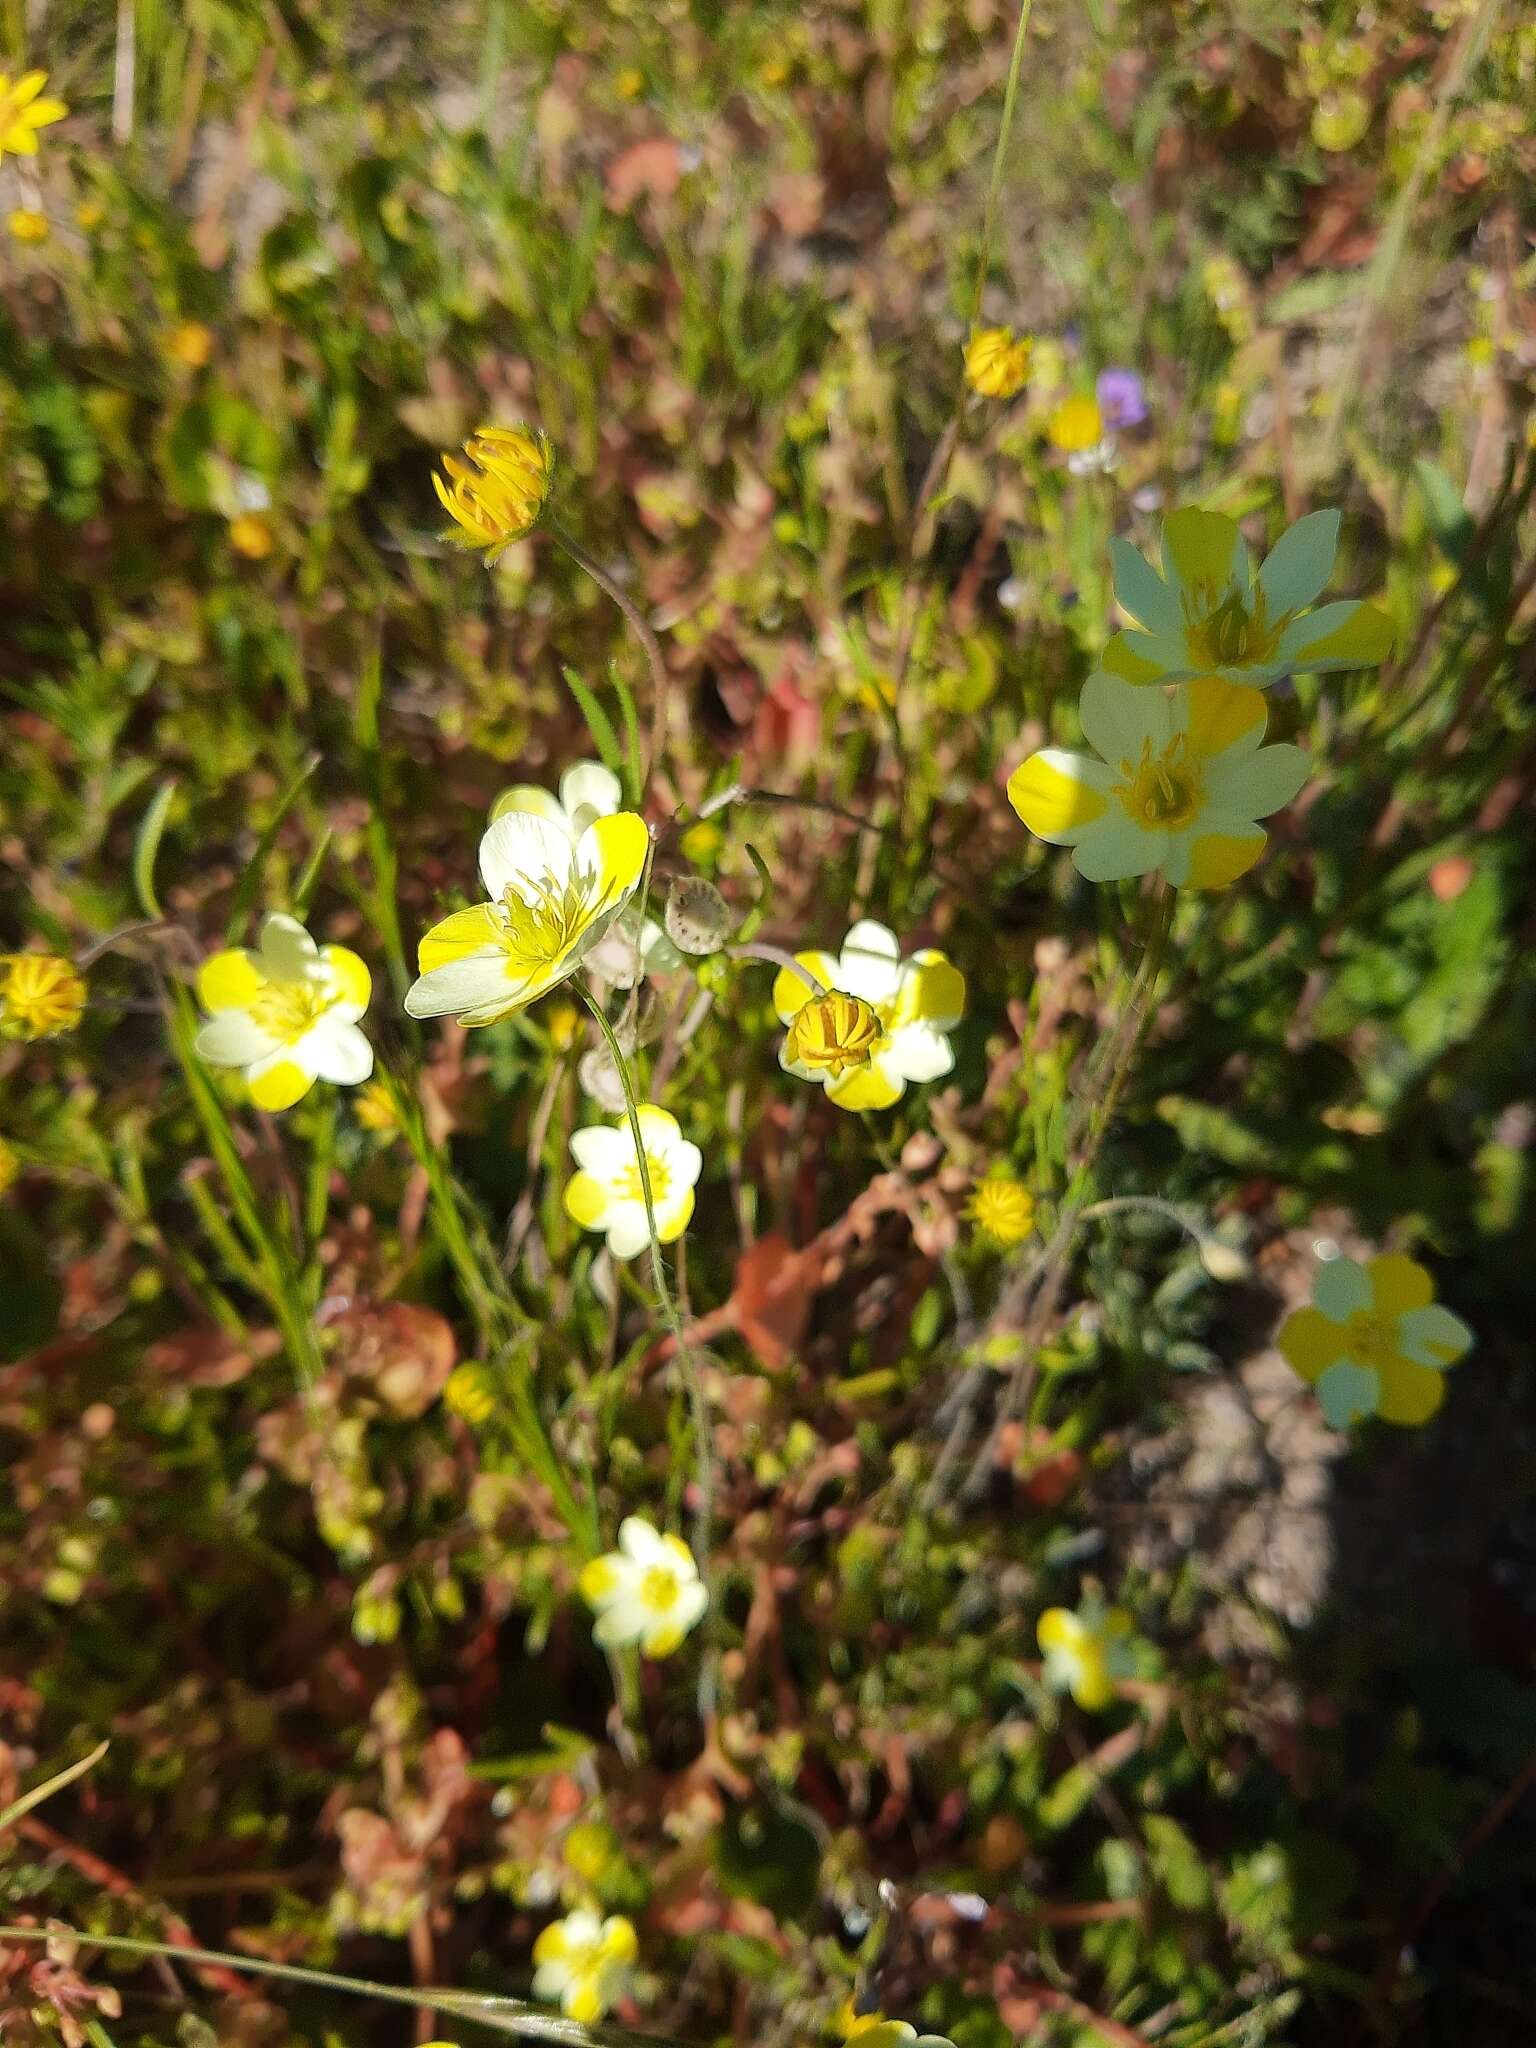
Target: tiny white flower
585 1965
608 1194
648 1591
918 1002
286 1014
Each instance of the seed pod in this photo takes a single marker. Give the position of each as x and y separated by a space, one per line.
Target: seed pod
698 918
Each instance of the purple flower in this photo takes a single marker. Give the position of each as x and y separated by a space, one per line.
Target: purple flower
1122 399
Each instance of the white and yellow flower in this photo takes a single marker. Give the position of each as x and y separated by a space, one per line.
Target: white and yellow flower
585 1965
648 1591
1210 614
287 1014
1179 778
1374 1341
551 900
608 1195
893 1026
1087 1652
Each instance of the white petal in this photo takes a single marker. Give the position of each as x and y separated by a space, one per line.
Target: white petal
918 1052
520 851
588 790
870 962
602 1151
1114 848
624 1622
1300 562
1141 592
629 1230
1253 785
1341 1287
288 953
686 1162
1433 1335
1347 1392
334 1050
1120 718
639 1541
234 1039
462 986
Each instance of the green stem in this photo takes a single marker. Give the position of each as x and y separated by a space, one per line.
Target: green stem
995 182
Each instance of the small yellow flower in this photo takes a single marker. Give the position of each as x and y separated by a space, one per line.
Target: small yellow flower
608 1194
252 536
648 1591
702 842
189 343
882 1022
1003 1209
10 1167
630 83
1375 1341
374 1108
23 112
41 995
585 1964
997 362
469 1393
1075 425
26 224
495 496
832 1034
563 1023
286 1015
1086 1652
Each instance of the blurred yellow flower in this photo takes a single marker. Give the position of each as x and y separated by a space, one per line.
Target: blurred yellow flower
495 496
1086 1652
879 1023
23 112
1375 1341
252 536
1002 1208
286 1015
469 1393
997 362
648 1591
41 995
374 1108
608 1194
585 1964
1075 425
630 82
26 224
89 215
190 343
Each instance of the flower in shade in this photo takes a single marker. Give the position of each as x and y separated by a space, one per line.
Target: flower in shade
1122 400
286 1014
26 224
876 1023
1178 778
585 1965
997 361
1210 613
648 1591
1075 426
495 494
41 995
1374 1341
23 111
1002 1208
1086 1652
608 1193
551 900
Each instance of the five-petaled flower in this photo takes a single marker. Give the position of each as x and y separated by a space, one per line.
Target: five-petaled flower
1002 1208
41 995
1086 1653
23 111
1210 614
551 900
608 1193
997 361
585 1964
878 1022
287 1014
495 495
1178 779
648 1591
1375 1341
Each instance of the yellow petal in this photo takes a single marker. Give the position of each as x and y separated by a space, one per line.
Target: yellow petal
598 1579
457 936
1217 859
1200 546
1051 795
1122 658
1310 1342
1092 1686
791 991
587 1201
1410 1393
1059 1629
1398 1284
279 1086
229 981
1222 713
583 2001
934 993
620 844
866 1087
354 984
619 1944
550 1947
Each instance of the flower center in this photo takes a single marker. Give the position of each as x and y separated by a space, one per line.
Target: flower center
659 1588
287 1009
833 1032
1161 789
1225 633
538 935
40 995
632 1188
1370 1339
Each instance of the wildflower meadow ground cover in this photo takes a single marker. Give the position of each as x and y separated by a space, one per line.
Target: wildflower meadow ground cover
766 1019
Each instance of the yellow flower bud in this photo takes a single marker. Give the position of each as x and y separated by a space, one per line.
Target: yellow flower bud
41 995
997 361
1003 1209
495 496
833 1033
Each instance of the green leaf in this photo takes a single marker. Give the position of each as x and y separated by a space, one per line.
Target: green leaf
599 724
250 881
146 846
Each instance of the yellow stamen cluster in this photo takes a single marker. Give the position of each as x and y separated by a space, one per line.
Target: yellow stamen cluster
1161 789
1002 1208
997 361
287 1009
833 1033
1233 631
536 935
496 494
41 995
